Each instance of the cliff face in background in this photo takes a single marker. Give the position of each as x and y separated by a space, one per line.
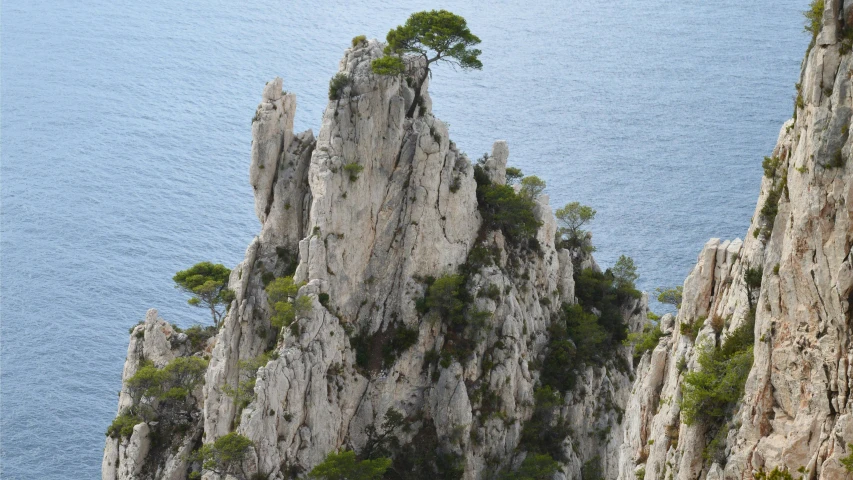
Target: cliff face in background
367 243
795 412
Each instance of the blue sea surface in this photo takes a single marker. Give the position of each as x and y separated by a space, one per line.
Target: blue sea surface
125 142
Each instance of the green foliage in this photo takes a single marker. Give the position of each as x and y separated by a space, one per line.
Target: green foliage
382 349
448 299
836 161
503 209
591 469
545 432
388 65
244 392
175 381
752 279
208 285
847 462
323 298
226 455
625 272
402 339
532 187
337 84
579 336
770 208
670 296
286 306
571 218
123 424
646 340
710 393
345 466
534 467
814 17
770 165
715 451
437 36
776 474
691 329
358 40
353 169
513 175
585 331
198 336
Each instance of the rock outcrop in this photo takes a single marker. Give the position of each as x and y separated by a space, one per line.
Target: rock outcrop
382 214
366 217
794 414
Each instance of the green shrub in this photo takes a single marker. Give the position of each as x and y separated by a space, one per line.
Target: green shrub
402 339
181 375
770 165
691 329
323 298
337 85
388 65
356 41
814 17
837 160
670 296
545 432
752 279
534 467
512 174
123 424
353 170
532 187
625 273
847 462
244 392
770 208
646 340
710 393
198 336
345 466
226 455
503 209
286 306
579 336
591 469
776 474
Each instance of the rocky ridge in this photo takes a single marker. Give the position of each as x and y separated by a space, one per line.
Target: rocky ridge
367 242
794 415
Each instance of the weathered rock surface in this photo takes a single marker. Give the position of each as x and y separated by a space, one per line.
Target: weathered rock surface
795 412
362 215
379 203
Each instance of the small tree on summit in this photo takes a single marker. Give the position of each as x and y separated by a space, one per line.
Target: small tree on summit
437 36
208 285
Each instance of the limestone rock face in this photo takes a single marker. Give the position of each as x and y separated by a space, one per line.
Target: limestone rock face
795 411
365 217
153 340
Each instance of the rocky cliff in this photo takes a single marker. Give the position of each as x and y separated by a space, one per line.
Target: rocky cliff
789 284
439 336
370 218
